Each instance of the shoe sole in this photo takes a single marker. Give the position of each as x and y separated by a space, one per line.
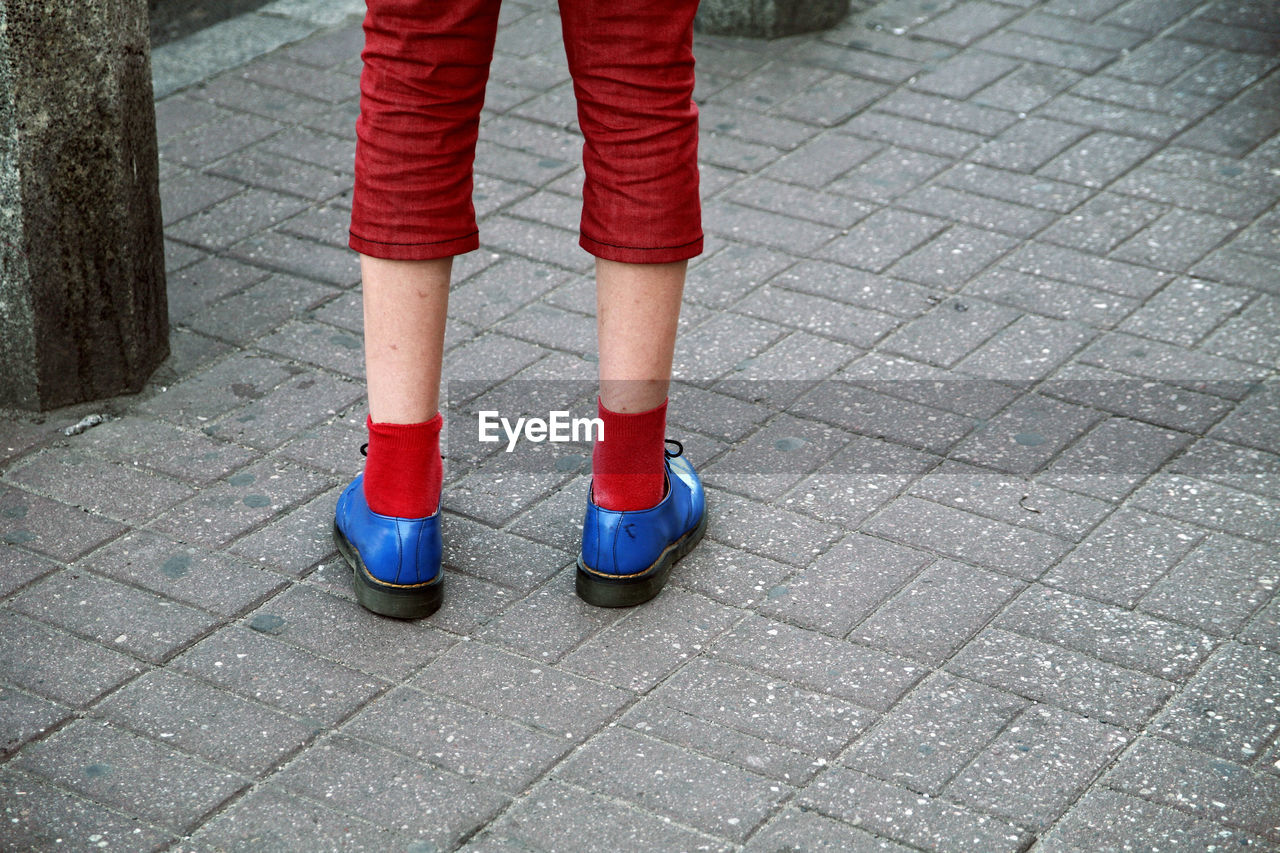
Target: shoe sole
604 591
394 600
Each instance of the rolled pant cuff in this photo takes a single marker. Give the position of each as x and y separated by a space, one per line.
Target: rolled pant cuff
633 255
415 251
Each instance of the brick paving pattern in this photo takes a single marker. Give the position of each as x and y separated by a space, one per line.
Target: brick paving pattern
979 365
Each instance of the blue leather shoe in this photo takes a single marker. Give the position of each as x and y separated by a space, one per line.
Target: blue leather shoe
396 560
627 556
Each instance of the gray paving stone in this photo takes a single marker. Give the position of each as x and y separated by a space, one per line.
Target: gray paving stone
1155 402
270 818
308 530
198 718
332 446
1061 677
231 220
860 479
1087 270
978 210
116 490
129 773
57 665
1106 820
1201 785
1117 118
1102 223
299 403
937 612
1124 557
254 312
637 652
1029 348
500 556
1026 88
1073 54
1161 361
740 700
1253 423
723 737
845 584
232 382
912 133
556 816
19 568
24 717
1114 457
797 829
1012 499
297 682
963 25
934 732
673 782
1218 586
1038 766
40 816
949 332
1029 144
1240 467
431 806
474 744
313 342
963 74
549 699
113 614
1038 192
1240 268
1108 633
1098 159
1025 436
1158 61
1209 505
818 662
970 538
889 174
953 257
338 629
1191 192
776 456
157 446
929 385
962 115
728 575
241 502
763 529
1177 240
1177 101
1247 336
906 816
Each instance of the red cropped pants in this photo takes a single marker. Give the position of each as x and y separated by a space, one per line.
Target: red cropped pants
426 63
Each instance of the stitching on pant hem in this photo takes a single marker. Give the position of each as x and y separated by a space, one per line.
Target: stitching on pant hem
643 248
430 243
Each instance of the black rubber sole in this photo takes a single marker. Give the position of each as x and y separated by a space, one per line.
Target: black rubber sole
604 591
398 602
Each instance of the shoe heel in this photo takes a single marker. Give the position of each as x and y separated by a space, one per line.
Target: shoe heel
602 591
398 602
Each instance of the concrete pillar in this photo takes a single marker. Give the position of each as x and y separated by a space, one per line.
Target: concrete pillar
768 18
82 289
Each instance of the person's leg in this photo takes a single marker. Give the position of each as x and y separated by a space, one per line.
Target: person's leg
637 308
405 304
632 66
422 89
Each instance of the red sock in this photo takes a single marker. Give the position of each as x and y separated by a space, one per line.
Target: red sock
403 472
627 470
